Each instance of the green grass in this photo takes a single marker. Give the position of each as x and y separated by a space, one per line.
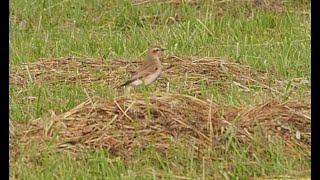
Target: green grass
275 42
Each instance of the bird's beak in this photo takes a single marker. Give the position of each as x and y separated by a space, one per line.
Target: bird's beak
163 49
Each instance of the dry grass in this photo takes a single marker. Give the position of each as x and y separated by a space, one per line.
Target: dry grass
192 71
120 125
89 71
240 139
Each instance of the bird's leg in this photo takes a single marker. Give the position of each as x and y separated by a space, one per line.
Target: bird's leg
147 102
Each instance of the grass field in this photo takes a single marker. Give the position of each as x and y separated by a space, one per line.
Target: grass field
272 39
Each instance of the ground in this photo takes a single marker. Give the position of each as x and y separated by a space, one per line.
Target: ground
233 101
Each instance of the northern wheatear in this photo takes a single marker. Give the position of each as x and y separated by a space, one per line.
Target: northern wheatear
150 69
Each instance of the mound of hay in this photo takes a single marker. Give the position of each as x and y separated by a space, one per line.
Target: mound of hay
59 70
121 125
87 71
187 75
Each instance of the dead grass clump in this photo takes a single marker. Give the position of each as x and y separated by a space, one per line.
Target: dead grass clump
59 70
190 75
194 69
88 71
120 125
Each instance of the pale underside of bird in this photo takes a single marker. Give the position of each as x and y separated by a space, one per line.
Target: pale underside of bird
150 69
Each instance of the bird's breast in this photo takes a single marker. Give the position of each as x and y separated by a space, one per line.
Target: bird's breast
152 77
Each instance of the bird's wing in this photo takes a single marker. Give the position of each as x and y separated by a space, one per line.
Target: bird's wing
145 64
145 71
140 75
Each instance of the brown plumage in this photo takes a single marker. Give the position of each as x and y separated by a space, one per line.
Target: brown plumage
150 69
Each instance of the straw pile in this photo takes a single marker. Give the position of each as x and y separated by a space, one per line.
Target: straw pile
122 124
89 71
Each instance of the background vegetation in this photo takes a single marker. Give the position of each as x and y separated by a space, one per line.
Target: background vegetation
272 37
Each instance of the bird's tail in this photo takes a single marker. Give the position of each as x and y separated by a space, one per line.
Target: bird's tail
126 83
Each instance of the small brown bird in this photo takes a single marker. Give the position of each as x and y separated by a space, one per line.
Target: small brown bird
150 69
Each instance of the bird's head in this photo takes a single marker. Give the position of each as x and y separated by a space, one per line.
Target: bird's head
154 52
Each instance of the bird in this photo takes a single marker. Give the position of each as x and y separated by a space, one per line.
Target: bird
149 70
